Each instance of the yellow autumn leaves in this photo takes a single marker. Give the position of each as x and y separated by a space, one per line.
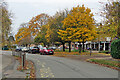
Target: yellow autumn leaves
33 27
79 16
77 34
78 26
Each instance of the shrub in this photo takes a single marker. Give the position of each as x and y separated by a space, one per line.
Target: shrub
115 49
75 50
57 50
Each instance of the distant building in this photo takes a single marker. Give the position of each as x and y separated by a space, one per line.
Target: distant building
100 45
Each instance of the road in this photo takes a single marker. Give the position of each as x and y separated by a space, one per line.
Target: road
58 67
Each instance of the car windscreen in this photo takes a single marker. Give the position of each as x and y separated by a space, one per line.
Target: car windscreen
18 48
31 47
45 48
35 48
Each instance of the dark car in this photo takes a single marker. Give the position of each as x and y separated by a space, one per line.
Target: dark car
45 51
33 50
5 48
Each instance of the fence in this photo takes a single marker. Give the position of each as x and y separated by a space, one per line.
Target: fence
20 54
17 54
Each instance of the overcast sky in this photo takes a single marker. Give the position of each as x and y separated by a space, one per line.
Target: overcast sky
24 10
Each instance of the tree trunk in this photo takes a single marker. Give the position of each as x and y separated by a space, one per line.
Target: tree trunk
83 46
79 47
26 45
69 46
44 45
63 46
48 44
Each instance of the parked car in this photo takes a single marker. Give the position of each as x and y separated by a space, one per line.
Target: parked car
53 48
40 46
33 50
45 51
5 48
18 49
60 48
25 49
29 50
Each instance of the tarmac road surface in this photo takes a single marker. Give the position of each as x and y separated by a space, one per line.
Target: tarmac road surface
58 67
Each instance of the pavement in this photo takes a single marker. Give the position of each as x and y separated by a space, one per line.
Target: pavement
0 64
9 66
59 67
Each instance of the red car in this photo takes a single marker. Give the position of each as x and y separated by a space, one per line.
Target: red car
44 51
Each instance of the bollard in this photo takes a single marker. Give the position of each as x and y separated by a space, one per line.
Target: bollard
17 54
23 59
20 54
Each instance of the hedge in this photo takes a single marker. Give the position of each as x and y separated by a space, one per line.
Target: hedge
115 49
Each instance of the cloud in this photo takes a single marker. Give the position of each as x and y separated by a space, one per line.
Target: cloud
21 1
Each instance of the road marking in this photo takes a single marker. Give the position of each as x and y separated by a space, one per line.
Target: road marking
45 72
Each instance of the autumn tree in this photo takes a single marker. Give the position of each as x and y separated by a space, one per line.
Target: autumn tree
6 19
37 22
118 32
100 32
32 28
24 25
65 35
40 38
21 37
38 29
112 19
80 22
54 24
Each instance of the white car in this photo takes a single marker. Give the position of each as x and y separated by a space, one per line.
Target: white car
25 49
53 48
60 48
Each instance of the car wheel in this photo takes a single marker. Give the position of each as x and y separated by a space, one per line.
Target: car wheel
40 53
31 52
44 53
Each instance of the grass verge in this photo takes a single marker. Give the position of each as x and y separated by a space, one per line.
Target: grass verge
67 50
63 54
108 63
